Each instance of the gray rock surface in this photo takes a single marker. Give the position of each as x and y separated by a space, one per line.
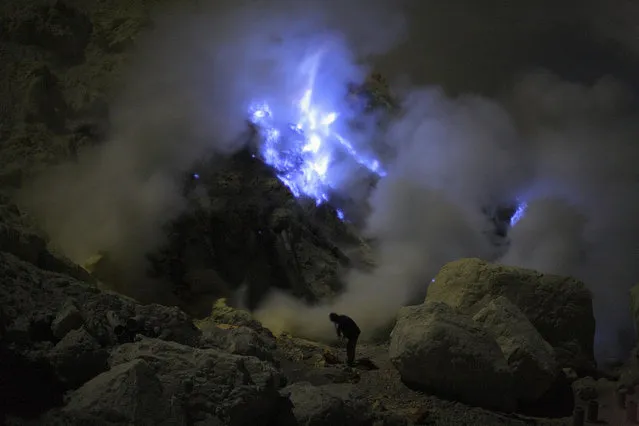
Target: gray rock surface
447 353
78 357
127 393
530 357
207 382
321 406
239 341
68 319
560 308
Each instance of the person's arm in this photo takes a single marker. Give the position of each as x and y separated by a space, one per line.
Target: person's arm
338 329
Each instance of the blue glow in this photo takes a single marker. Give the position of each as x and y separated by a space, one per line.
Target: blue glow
303 152
519 213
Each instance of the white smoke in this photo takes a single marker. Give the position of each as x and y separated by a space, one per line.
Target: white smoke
568 149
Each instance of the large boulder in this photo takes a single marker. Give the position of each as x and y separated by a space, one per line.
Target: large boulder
208 383
530 357
77 358
129 393
448 354
322 406
559 307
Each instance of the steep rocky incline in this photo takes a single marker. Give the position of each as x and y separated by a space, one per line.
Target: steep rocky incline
74 354
61 64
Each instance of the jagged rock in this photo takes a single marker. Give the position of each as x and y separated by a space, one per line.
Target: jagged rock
115 34
439 350
56 27
239 341
629 374
173 323
247 226
530 357
129 393
33 297
319 406
559 307
77 358
19 237
207 382
585 389
221 313
45 102
69 318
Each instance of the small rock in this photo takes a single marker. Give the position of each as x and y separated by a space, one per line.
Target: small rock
69 318
586 389
78 357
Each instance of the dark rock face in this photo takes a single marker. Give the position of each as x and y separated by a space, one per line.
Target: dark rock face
245 229
483 336
438 350
560 308
58 28
72 354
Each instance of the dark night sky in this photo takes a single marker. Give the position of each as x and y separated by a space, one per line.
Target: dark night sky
480 46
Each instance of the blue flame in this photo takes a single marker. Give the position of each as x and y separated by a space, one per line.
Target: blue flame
519 213
303 154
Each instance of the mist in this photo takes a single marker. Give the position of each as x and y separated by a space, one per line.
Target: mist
567 149
185 97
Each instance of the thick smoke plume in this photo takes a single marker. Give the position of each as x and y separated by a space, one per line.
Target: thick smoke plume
567 149
186 98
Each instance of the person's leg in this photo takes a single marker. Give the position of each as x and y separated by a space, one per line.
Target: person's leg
350 350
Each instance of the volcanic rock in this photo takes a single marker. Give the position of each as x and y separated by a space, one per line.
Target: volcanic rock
128 393
529 356
446 353
207 382
560 308
321 406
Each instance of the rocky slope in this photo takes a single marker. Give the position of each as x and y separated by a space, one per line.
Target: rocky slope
61 63
74 354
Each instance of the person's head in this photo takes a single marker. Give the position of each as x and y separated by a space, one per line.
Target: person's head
333 316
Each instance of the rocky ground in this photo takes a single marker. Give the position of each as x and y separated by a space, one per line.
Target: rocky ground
489 345
75 354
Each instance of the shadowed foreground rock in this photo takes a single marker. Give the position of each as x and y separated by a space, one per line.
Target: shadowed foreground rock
560 308
441 351
128 393
530 357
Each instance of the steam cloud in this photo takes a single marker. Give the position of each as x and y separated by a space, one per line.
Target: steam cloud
567 149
